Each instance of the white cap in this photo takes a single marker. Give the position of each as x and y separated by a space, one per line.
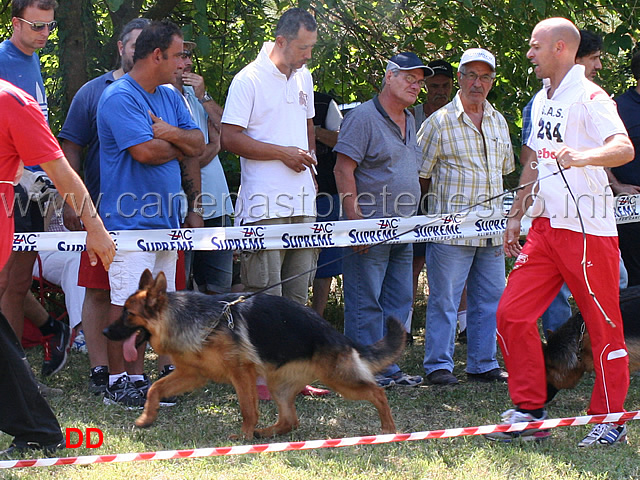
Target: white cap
478 55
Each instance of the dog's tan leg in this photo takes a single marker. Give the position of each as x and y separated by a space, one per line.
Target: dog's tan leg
379 400
243 379
284 396
173 384
371 393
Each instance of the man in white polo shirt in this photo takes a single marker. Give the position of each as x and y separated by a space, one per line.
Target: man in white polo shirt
268 121
573 240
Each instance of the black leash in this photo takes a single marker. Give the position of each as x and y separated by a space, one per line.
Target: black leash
584 248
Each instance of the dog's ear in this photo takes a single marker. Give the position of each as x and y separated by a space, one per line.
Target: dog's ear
146 279
157 293
161 283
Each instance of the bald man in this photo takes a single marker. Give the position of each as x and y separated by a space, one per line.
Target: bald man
576 129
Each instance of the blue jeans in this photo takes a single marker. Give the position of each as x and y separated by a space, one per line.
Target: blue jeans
377 284
448 268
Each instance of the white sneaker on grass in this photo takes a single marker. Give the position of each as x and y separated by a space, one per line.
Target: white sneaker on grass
514 416
607 434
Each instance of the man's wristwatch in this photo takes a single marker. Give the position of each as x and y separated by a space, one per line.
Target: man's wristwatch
198 210
206 98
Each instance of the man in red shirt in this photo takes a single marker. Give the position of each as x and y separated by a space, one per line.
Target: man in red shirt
25 139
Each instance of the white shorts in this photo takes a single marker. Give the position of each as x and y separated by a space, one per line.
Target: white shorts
127 267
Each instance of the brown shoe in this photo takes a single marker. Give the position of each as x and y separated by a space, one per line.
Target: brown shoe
495 375
442 377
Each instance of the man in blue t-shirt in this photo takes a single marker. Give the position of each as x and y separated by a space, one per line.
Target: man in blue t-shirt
32 22
80 131
147 141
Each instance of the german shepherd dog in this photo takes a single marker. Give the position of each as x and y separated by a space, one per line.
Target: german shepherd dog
229 339
568 355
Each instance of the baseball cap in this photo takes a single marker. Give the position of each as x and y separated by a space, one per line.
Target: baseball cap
478 55
408 61
441 67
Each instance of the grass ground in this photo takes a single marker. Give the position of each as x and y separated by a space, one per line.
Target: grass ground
206 418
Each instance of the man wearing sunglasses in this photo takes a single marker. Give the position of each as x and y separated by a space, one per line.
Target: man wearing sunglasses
466 149
32 22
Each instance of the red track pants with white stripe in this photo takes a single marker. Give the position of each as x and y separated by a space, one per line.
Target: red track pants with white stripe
550 257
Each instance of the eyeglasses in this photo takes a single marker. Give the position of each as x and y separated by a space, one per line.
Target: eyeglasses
411 80
473 76
39 26
187 54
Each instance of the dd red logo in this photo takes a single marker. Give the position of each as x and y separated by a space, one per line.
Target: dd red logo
70 443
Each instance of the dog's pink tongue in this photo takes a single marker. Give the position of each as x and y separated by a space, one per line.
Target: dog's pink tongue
129 348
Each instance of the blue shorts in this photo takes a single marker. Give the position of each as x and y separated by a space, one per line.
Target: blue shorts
328 210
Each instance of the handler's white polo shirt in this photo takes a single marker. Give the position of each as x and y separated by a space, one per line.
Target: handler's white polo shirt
272 109
581 116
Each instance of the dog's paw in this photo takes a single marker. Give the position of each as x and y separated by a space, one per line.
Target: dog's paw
143 422
235 436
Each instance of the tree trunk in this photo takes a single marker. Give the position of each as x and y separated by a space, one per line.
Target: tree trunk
73 58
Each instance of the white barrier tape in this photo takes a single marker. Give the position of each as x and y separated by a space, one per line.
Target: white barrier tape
486 223
314 444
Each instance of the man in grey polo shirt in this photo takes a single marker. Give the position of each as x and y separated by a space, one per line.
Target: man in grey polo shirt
377 177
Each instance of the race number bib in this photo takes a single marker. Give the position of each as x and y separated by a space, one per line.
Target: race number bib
551 127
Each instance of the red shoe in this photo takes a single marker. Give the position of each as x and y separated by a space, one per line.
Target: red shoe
263 393
310 391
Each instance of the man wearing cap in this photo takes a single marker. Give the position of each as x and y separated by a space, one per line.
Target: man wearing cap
575 128
466 149
439 88
376 174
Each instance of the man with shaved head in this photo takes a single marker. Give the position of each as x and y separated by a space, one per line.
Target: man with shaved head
577 131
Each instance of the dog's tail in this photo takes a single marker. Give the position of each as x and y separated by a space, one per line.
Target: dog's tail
385 351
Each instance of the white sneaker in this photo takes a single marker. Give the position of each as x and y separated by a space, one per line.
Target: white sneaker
79 344
514 416
605 434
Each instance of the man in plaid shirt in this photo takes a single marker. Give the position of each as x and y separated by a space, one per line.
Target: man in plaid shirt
466 149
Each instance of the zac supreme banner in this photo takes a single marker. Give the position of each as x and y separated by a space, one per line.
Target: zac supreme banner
310 235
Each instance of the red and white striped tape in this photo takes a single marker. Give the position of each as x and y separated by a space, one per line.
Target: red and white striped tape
313 444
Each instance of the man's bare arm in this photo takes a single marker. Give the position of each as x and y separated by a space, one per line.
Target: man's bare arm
73 153
192 186
620 188
617 150
189 142
235 140
344 172
522 200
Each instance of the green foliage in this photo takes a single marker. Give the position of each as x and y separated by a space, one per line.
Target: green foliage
355 39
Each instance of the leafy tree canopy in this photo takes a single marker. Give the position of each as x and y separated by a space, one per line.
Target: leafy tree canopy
355 39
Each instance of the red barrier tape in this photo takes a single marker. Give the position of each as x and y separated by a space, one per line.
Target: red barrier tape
313 444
